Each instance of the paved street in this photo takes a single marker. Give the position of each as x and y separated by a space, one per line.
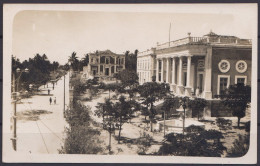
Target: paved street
40 125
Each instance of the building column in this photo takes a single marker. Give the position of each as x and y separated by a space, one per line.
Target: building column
110 70
173 75
207 94
167 70
180 85
157 70
162 70
188 87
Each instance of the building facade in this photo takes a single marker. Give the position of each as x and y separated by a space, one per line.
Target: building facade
146 65
103 65
203 66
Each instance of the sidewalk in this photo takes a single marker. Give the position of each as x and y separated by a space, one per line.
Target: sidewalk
40 126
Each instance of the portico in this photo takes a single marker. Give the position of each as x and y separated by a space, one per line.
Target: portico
182 72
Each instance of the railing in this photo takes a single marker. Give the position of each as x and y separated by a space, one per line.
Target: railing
204 40
147 52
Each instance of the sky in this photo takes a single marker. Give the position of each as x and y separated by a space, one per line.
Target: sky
59 33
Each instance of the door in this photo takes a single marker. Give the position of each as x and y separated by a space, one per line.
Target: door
94 72
200 82
107 71
185 78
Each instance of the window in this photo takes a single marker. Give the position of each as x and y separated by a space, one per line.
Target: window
160 65
112 69
240 79
91 60
101 68
241 66
107 60
223 83
224 66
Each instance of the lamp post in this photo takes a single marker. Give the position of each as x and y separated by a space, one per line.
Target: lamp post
14 96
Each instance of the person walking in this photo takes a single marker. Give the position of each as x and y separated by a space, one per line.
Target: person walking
55 100
48 91
50 100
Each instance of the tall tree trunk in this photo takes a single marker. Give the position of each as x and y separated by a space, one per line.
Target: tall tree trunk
151 123
238 122
120 127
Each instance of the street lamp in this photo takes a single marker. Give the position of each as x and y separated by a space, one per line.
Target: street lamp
14 96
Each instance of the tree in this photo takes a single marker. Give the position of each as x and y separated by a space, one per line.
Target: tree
73 59
113 87
193 144
103 110
84 61
151 92
109 118
197 105
131 60
81 138
128 78
122 111
237 97
169 103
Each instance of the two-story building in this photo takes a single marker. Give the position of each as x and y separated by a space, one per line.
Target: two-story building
103 65
210 63
202 66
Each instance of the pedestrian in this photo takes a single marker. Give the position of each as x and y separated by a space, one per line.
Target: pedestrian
50 100
48 91
55 101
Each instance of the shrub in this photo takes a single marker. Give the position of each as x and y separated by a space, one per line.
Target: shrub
192 144
143 143
224 124
81 140
247 126
240 147
194 129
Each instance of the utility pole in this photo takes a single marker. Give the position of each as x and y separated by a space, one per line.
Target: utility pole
64 98
14 115
169 34
164 124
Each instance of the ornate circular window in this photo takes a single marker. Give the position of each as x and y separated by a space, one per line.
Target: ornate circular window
224 66
241 66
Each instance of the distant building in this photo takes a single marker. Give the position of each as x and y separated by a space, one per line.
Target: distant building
146 65
103 65
207 64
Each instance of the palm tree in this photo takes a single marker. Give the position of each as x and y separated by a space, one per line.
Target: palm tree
73 59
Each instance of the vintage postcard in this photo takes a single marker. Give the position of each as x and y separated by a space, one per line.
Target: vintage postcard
130 83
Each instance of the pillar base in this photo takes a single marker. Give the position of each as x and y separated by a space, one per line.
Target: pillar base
207 94
173 88
180 89
188 91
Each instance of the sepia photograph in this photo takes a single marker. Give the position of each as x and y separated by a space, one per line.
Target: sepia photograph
124 83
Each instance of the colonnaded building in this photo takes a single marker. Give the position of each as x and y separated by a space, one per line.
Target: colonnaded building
103 65
202 66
